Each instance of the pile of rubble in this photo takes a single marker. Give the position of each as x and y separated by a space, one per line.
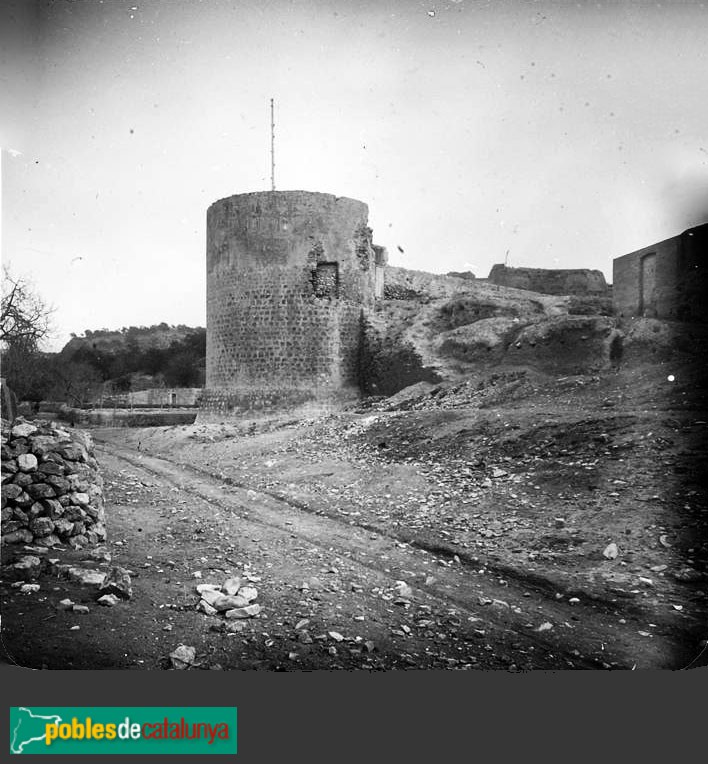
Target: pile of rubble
52 491
234 599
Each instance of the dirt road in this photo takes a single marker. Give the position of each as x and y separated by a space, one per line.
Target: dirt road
334 595
517 524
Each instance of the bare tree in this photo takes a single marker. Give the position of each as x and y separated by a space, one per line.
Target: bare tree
24 323
24 316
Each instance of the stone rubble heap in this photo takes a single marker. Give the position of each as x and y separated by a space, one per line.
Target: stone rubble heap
52 491
234 599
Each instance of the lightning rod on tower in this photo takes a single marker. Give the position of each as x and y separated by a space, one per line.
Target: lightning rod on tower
272 147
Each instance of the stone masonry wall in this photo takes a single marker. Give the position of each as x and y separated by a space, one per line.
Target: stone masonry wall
550 281
269 330
52 491
288 274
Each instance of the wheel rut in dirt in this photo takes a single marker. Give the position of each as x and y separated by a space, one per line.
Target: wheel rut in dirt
515 607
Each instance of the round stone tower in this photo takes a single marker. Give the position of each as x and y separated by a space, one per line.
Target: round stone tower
288 274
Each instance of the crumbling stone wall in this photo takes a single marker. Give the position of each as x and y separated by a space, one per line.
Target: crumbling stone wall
52 490
288 274
550 281
406 284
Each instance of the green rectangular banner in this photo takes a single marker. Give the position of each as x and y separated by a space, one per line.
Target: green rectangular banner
119 729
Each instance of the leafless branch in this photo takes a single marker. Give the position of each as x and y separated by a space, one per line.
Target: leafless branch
24 316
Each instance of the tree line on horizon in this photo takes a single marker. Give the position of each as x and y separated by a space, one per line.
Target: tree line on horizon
82 371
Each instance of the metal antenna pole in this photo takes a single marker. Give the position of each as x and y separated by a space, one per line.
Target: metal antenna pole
272 147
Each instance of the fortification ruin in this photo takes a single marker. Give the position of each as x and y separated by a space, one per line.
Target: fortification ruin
665 280
575 281
288 275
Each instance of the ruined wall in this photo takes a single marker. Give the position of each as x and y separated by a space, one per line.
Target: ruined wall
288 273
549 281
666 280
405 284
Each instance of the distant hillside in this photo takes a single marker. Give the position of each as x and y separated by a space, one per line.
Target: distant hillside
140 357
142 337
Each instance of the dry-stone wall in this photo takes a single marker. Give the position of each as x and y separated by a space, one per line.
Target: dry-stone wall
52 491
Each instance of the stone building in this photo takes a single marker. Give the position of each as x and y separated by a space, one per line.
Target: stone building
155 397
560 281
288 276
666 280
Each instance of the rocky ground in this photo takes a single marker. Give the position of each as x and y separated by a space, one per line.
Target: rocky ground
516 521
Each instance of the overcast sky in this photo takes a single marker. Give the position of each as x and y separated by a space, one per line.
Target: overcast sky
565 134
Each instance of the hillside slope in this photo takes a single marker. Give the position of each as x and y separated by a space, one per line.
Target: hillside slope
114 342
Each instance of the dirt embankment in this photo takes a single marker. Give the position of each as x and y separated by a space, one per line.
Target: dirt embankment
587 487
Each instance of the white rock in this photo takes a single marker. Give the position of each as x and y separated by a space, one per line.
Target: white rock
108 600
611 551
27 562
249 593
201 588
232 585
27 462
206 608
23 430
183 656
210 596
224 602
243 612
403 589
